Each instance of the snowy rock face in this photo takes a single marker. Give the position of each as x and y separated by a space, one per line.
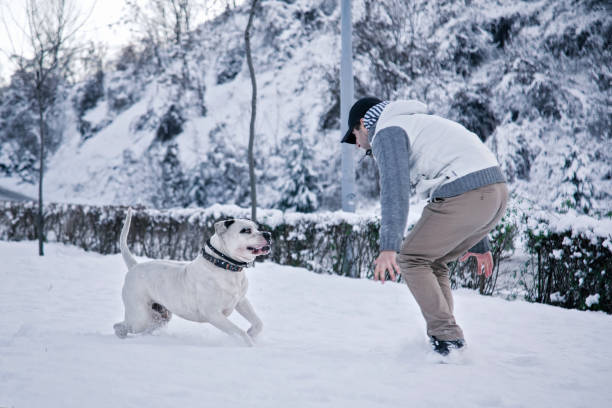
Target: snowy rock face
169 126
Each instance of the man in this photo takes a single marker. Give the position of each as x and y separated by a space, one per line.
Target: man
466 193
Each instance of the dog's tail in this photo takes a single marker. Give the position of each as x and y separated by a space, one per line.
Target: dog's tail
128 258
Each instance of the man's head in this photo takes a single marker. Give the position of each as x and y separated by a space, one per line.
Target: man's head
356 130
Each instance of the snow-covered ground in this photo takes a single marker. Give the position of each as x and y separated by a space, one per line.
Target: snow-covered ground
327 342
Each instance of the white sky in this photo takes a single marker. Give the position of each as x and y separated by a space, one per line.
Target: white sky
103 27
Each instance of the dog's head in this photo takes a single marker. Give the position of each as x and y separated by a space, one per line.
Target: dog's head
241 239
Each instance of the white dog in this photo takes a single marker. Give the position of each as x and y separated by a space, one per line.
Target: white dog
206 289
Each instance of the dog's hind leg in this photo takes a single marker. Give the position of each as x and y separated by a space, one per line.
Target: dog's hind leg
161 316
138 318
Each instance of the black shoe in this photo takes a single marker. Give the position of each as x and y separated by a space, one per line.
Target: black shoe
444 347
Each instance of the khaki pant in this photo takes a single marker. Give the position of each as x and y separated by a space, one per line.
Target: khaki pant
446 230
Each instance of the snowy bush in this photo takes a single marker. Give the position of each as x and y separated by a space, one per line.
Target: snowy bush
91 92
86 98
467 49
222 175
170 125
124 86
119 97
300 189
580 40
472 110
570 262
504 28
173 182
330 119
230 65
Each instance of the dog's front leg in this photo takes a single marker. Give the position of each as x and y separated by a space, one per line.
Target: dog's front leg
224 324
245 309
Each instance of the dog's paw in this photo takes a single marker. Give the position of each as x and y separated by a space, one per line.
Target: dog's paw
121 330
248 340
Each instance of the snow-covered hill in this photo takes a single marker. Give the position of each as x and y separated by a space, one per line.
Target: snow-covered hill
327 342
169 126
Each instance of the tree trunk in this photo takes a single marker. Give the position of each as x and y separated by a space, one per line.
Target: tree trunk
50 25
247 41
41 127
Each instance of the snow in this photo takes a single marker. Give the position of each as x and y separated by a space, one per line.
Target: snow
592 300
579 224
327 342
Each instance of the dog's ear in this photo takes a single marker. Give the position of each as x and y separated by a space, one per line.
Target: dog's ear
222 226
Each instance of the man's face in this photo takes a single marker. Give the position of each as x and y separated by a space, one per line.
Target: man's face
361 136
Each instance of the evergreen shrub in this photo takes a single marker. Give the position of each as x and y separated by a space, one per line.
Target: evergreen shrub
171 124
569 266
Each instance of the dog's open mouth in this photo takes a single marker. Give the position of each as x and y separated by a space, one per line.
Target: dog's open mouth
263 250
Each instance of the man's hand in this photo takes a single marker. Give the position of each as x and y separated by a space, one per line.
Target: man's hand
484 261
385 262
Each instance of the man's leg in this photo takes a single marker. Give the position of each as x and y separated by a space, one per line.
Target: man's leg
441 271
432 293
444 226
480 233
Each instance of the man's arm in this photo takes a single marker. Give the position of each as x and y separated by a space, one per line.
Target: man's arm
484 260
391 150
483 246
392 154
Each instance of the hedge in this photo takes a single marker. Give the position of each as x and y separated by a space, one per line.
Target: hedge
346 243
570 262
569 265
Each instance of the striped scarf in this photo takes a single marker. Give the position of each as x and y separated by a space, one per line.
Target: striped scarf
372 115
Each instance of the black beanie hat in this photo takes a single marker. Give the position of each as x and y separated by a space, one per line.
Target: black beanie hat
358 111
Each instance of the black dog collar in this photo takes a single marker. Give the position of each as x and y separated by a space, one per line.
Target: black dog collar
226 263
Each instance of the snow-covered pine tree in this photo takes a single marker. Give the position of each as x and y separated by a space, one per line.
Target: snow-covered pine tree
197 190
173 182
577 187
223 175
19 143
300 190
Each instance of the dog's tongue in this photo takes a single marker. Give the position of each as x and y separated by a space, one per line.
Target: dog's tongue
260 251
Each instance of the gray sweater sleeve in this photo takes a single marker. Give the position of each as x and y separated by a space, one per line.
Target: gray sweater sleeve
391 149
481 247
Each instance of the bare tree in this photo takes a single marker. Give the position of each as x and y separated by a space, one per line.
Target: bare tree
247 41
51 24
162 20
164 23
166 29
392 35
